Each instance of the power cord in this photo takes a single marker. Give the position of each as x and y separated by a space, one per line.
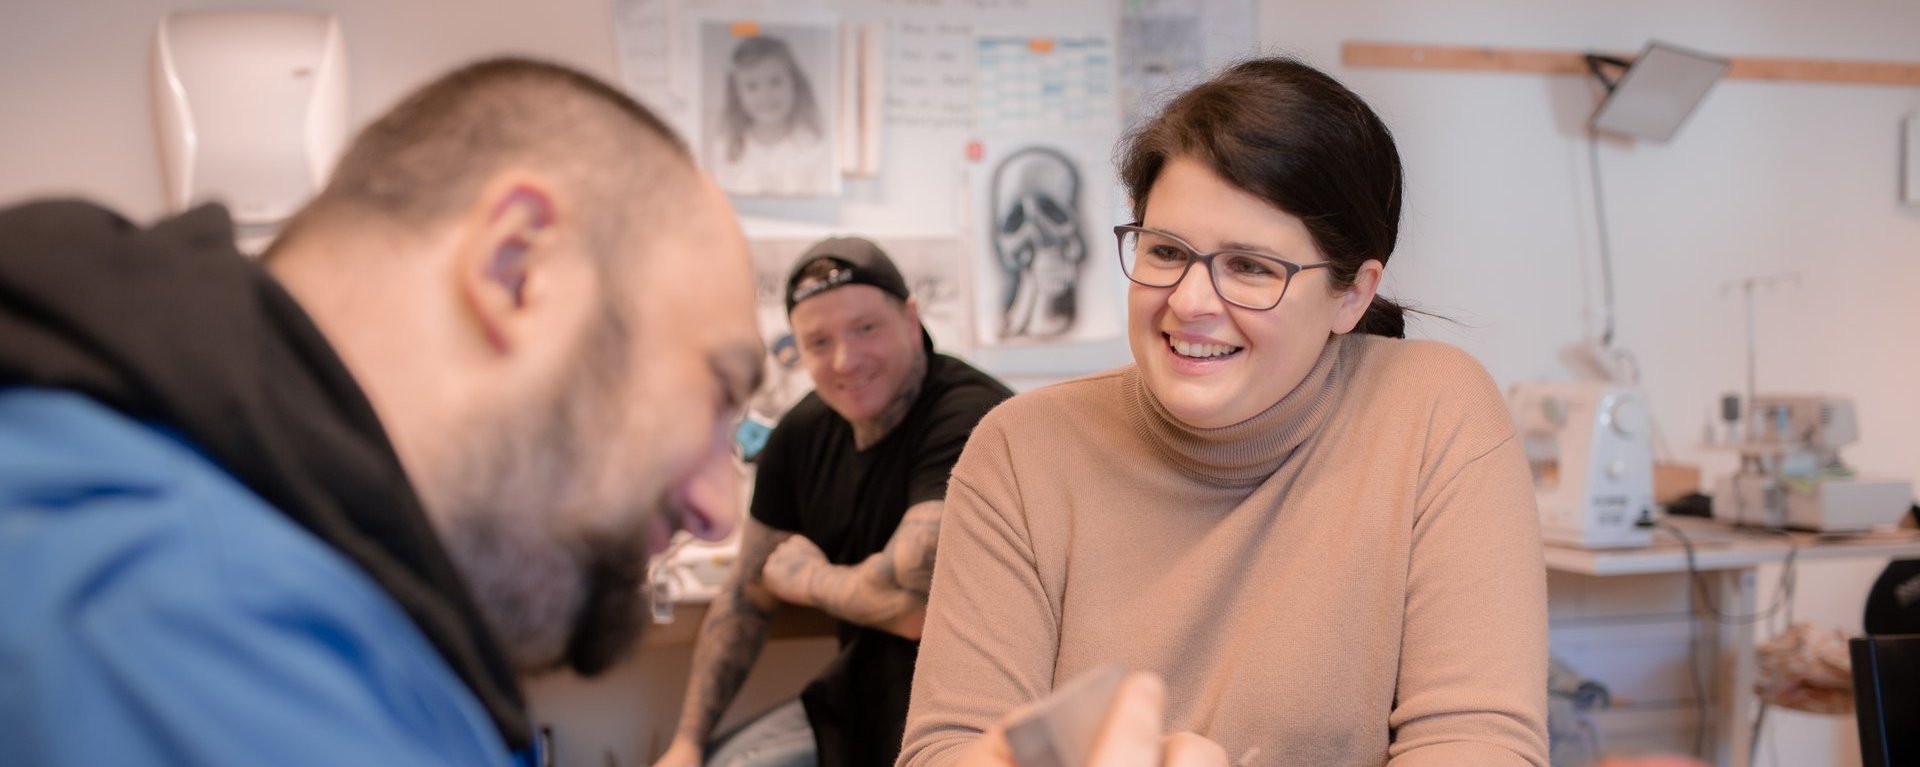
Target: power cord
1782 604
1782 600
1600 225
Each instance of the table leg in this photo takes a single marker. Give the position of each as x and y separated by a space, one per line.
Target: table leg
1734 699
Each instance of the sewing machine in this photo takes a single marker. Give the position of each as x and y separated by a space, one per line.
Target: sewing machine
1791 474
1589 447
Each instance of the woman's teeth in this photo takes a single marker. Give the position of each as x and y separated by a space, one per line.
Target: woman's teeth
1201 351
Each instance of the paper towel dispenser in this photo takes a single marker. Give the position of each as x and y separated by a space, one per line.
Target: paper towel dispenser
251 108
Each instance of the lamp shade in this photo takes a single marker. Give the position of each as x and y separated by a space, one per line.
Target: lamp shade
1658 92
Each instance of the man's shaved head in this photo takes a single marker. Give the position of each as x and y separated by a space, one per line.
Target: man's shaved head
426 160
532 281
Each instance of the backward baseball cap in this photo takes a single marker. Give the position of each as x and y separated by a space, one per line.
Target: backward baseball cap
857 261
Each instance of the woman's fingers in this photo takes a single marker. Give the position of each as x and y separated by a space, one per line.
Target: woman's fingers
1186 749
1131 736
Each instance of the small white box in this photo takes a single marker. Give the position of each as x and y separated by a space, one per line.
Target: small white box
1854 505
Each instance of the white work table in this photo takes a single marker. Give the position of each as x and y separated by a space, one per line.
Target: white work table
1719 547
1627 618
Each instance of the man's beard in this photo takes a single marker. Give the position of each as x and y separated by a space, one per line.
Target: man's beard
551 594
576 603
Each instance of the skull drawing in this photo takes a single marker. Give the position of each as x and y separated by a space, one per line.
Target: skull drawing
1038 242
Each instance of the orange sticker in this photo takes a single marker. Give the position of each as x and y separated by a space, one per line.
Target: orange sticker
746 29
975 150
1040 44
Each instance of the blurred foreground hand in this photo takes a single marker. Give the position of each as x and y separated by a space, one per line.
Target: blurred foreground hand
1651 761
1133 735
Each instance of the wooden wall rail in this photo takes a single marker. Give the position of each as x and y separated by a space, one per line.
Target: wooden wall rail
1484 58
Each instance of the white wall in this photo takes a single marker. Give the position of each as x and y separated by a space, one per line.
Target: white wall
74 106
1765 178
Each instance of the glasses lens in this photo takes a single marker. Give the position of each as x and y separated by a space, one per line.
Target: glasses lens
1153 260
1249 280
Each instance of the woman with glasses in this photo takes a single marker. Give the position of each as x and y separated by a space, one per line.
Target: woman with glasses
1322 538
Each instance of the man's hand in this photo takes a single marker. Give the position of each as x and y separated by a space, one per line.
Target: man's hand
1131 737
790 569
681 753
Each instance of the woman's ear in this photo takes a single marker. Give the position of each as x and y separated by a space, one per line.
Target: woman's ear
1358 296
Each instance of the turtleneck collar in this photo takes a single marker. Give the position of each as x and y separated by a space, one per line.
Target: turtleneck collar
1247 453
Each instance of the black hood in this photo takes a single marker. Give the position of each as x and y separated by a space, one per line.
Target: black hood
172 324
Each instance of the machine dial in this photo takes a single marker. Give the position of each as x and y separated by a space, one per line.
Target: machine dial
1625 415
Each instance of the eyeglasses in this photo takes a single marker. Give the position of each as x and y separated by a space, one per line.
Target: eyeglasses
1247 280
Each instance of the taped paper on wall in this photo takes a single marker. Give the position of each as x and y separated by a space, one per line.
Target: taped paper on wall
769 96
1046 271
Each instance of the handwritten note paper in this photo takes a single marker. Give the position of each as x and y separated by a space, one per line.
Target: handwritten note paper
930 73
643 39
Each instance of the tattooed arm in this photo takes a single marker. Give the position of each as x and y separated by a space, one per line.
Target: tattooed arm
909 553
887 591
730 639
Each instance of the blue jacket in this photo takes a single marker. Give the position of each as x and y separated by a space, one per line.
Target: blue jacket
153 610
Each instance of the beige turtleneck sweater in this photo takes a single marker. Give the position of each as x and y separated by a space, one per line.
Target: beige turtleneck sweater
1353 577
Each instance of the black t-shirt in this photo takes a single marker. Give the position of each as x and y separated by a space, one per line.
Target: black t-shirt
813 482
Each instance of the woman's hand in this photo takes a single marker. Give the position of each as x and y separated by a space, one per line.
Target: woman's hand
1131 737
1653 761
681 753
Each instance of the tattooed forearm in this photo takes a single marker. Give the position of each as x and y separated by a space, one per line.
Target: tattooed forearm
910 552
887 590
731 637
862 594
730 640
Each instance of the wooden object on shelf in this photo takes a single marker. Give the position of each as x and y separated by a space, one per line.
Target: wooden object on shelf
1536 61
1672 481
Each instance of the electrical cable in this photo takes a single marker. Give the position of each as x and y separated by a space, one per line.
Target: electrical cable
1782 604
1600 226
1595 748
1701 699
1782 599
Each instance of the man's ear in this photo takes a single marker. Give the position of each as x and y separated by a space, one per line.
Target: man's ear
912 307
1359 296
507 247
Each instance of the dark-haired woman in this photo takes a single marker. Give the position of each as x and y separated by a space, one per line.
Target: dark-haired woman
1321 537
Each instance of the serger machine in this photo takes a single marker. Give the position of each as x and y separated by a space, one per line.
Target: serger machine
1791 474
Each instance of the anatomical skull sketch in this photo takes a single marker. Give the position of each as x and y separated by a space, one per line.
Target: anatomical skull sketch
1038 241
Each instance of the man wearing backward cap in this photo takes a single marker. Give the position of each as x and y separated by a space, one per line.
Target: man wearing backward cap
846 510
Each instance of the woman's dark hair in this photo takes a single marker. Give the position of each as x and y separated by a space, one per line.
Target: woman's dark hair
1288 134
